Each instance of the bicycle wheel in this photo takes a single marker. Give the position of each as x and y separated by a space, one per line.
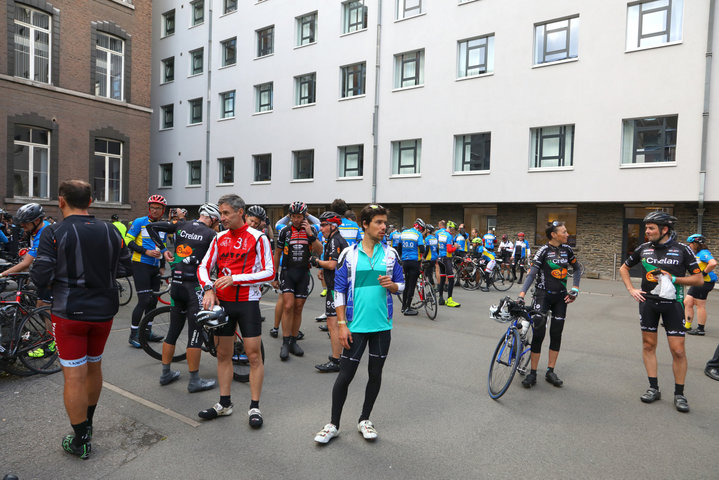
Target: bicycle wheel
124 286
501 281
157 321
430 302
504 363
37 349
163 294
13 366
312 284
468 278
241 366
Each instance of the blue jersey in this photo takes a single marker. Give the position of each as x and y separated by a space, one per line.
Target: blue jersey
36 240
411 241
703 258
489 240
461 242
350 231
137 235
396 238
444 238
432 247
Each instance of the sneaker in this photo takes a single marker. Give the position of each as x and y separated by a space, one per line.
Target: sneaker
712 373
285 351
153 337
330 366
274 332
214 412
410 312
452 303
321 318
134 340
255 417
240 358
324 328
529 380
680 402
323 293
300 335
367 430
696 331
441 301
327 434
82 451
169 377
39 352
552 378
295 349
51 347
201 385
651 395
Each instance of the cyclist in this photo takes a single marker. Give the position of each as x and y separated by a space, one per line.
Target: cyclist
413 250
396 240
445 247
243 259
330 223
31 217
256 218
349 229
146 258
192 239
698 295
430 240
661 294
118 224
487 261
521 253
550 268
488 239
295 244
505 249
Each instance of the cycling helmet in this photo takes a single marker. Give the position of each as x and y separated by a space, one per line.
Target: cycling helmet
429 227
504 237
210 210
212 318
157 199
257 211
420 223
520 234
662 219
115 217
29 213
451 224
331 217
476 240
298 207
697 237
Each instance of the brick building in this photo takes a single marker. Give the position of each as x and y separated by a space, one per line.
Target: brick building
75 102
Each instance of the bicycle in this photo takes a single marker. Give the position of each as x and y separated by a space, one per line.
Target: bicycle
499 278
124 289
513 349
158 321
165 285
425 296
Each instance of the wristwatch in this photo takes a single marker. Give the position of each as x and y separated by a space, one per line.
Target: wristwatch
207 287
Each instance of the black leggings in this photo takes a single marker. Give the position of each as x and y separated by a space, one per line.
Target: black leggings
411 273
428 271
349 361
186 302
147 281
446 271
554 302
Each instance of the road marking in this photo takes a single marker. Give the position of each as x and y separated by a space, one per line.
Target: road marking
151 405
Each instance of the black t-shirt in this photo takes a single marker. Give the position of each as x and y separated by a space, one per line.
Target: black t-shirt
672 256
333 247
295 246
553 263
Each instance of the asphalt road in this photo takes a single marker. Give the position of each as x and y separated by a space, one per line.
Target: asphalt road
433 415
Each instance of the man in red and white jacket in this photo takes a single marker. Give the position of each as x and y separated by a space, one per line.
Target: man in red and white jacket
243 258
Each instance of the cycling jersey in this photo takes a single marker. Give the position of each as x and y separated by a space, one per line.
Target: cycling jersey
480 251
396 238
139 241
243 253
350 231
672 256
35 240
296 247
120 228
432 247
505 248
412 244
551 264
333 247
192 239
444 238
703 258
521 249
489 240
461 242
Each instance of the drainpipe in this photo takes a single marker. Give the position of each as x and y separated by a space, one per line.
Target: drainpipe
375 113
208 102
705 118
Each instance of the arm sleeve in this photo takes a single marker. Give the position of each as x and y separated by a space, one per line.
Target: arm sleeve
691 261
576 268
397 273
208 263
155 227
530 278
633 257
131 237
3 238
267 272
341 282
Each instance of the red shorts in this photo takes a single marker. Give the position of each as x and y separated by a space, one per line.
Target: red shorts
79 342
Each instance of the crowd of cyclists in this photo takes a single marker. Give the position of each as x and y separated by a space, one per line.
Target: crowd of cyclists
220 261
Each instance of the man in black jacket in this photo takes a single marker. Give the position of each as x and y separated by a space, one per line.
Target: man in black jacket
77 262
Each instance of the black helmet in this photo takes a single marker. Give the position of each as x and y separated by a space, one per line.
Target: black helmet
429 227
663 219
29 213
257 211
331 217
212 318
298 207
115 217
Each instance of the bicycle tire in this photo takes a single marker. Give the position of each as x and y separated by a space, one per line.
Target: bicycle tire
125 290
504 363
160 320
430 302
500 282
33 334
312 284
241 369
14 366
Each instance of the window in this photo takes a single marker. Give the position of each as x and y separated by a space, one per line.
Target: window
32 44
229 51
405 157
168 116
409 69
165 174
195 106
408 8
230 6
196 61
263 167
109 65
263 97
168 70
305 89
107 179
226 169
353 80
227 104
654 23
168 23
351 160
198 12
471 152
649 140
265 41
354 16
552 146
31 162
303 167
306 29
556 40
475 56
194 172
546 215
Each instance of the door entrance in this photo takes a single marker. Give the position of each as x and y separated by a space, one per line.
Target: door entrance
632 237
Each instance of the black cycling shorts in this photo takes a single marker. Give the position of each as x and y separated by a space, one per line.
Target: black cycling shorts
296 281
671 311
330 304
186 302
445 266
378 345
701 293
246 315
146 277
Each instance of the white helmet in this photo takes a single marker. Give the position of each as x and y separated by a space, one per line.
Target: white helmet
210 210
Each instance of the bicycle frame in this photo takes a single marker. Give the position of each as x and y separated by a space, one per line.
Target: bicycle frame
21 311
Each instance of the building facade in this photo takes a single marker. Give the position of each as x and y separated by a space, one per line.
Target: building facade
75 102
497 114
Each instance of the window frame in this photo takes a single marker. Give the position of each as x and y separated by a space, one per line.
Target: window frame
191 165
225 97
343 156
193 104
107 156
167 17
402 10
164 168
193 60
227 45
488 56
193 12
32 146
164 110
222 165
165 66
260 89
299 156
398 146
461 142
350 8
32 37
259 176
229 6
674 12
665 132
265 41
108 75
300 23
309 79
572 33
402 60
347 73
537 146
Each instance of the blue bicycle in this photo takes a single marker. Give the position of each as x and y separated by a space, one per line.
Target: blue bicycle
513 350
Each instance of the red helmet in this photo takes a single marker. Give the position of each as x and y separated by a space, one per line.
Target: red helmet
157 199
520 234
504 237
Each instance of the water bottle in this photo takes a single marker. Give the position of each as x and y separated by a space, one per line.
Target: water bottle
525 328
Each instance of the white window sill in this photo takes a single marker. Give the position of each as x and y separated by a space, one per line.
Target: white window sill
474 172
467 1
471 77
228 13
551 169
410 17
297 47
407 175
262 113
648 165
264 182
192 75
125 4
227 66
402 89
304 105
168 82
302 180
342 99
194 124
349 179
164 187
225 184
265 56
556 62
353 32
641 49
193 186
196 25
168 36
164 129
226 118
